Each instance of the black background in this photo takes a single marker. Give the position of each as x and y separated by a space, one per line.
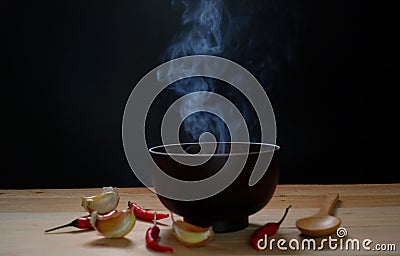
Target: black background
71 65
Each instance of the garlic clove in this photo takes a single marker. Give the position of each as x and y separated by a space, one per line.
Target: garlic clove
109 189
191 235
102 203
116 224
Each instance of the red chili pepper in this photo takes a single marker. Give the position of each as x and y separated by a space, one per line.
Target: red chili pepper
151 238
268 229
145 215
82 223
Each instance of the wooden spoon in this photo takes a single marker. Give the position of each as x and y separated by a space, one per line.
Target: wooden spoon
322 223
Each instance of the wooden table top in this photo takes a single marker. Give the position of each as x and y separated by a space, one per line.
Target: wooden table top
367 212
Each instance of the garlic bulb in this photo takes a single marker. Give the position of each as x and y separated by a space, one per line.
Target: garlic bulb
116 224
102 203
191 235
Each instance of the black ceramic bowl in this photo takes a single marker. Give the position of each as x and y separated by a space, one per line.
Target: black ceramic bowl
228 210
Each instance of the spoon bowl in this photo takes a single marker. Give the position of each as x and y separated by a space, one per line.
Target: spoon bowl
322 223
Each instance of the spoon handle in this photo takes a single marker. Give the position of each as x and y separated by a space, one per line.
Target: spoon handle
329 203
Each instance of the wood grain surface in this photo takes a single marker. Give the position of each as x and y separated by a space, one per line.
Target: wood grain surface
367 212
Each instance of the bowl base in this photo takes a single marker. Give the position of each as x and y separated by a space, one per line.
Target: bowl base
224 226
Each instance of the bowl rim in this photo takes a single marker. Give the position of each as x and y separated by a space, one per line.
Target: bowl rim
153 149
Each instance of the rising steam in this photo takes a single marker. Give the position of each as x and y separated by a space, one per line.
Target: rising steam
227 29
